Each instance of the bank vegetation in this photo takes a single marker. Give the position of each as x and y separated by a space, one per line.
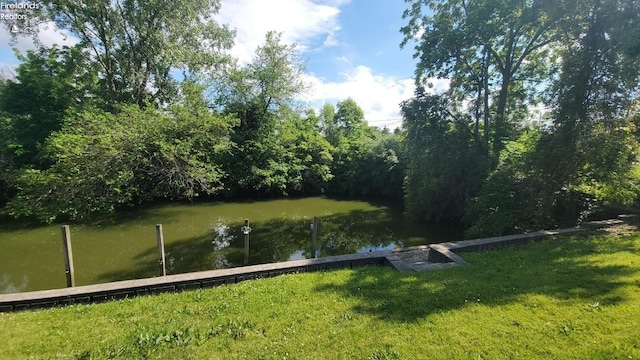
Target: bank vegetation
538 127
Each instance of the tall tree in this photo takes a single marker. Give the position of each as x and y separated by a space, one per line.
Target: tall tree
8 168
366 161
555 177
258 91
495 55
138 43
349 121
596 97
443 169
487 49
261 95
327 126
307 153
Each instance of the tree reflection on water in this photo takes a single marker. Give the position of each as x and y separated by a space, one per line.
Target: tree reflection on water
284 239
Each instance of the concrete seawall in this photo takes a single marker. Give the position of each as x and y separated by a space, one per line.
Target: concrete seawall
419 258
180 282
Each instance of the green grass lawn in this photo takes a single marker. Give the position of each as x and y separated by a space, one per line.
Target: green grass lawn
575 298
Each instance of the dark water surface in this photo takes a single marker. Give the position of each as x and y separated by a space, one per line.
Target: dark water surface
203 237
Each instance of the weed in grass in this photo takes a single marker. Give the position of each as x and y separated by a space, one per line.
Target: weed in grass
568 329
149 341
591 307
85 355
171 339
115 353
237 328
386 354
343 318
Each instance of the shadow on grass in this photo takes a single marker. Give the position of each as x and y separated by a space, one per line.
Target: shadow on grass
562 268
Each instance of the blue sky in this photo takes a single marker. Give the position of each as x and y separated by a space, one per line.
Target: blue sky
369 36
351 48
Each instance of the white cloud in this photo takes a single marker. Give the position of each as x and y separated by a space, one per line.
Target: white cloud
300 21
330 40
50 34
378 95
310 23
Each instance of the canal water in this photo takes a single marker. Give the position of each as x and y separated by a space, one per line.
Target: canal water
204 237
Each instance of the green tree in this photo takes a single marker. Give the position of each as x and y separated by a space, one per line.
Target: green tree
589 152
382 168
443 168
307 153
367 161
262 95
103 161
325 120
596 97
514 198
350 135
137 44
498 56
495 53
8 168
60 79
349 121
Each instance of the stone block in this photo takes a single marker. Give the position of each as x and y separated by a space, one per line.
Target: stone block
209 283
162 289
193 285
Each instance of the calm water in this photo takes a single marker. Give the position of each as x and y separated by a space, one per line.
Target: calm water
203 237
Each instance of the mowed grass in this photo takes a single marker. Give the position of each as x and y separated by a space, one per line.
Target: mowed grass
576 297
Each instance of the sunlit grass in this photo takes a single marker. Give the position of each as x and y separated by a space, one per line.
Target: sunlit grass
562 298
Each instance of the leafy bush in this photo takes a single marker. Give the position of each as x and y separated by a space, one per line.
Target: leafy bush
529 190
105 160
514 198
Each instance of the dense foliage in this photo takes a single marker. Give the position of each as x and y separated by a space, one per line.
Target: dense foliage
117 126
476 153
234 131
124 157
135 45
444 167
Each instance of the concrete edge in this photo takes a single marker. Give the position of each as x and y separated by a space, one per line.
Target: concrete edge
448 250
448 253
441 256
180 282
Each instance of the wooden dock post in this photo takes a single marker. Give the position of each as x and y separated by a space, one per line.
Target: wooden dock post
160 238
246 230
68 256
314 237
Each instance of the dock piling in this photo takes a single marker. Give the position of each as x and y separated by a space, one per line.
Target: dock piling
314 237
246 230
161 257
68 256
